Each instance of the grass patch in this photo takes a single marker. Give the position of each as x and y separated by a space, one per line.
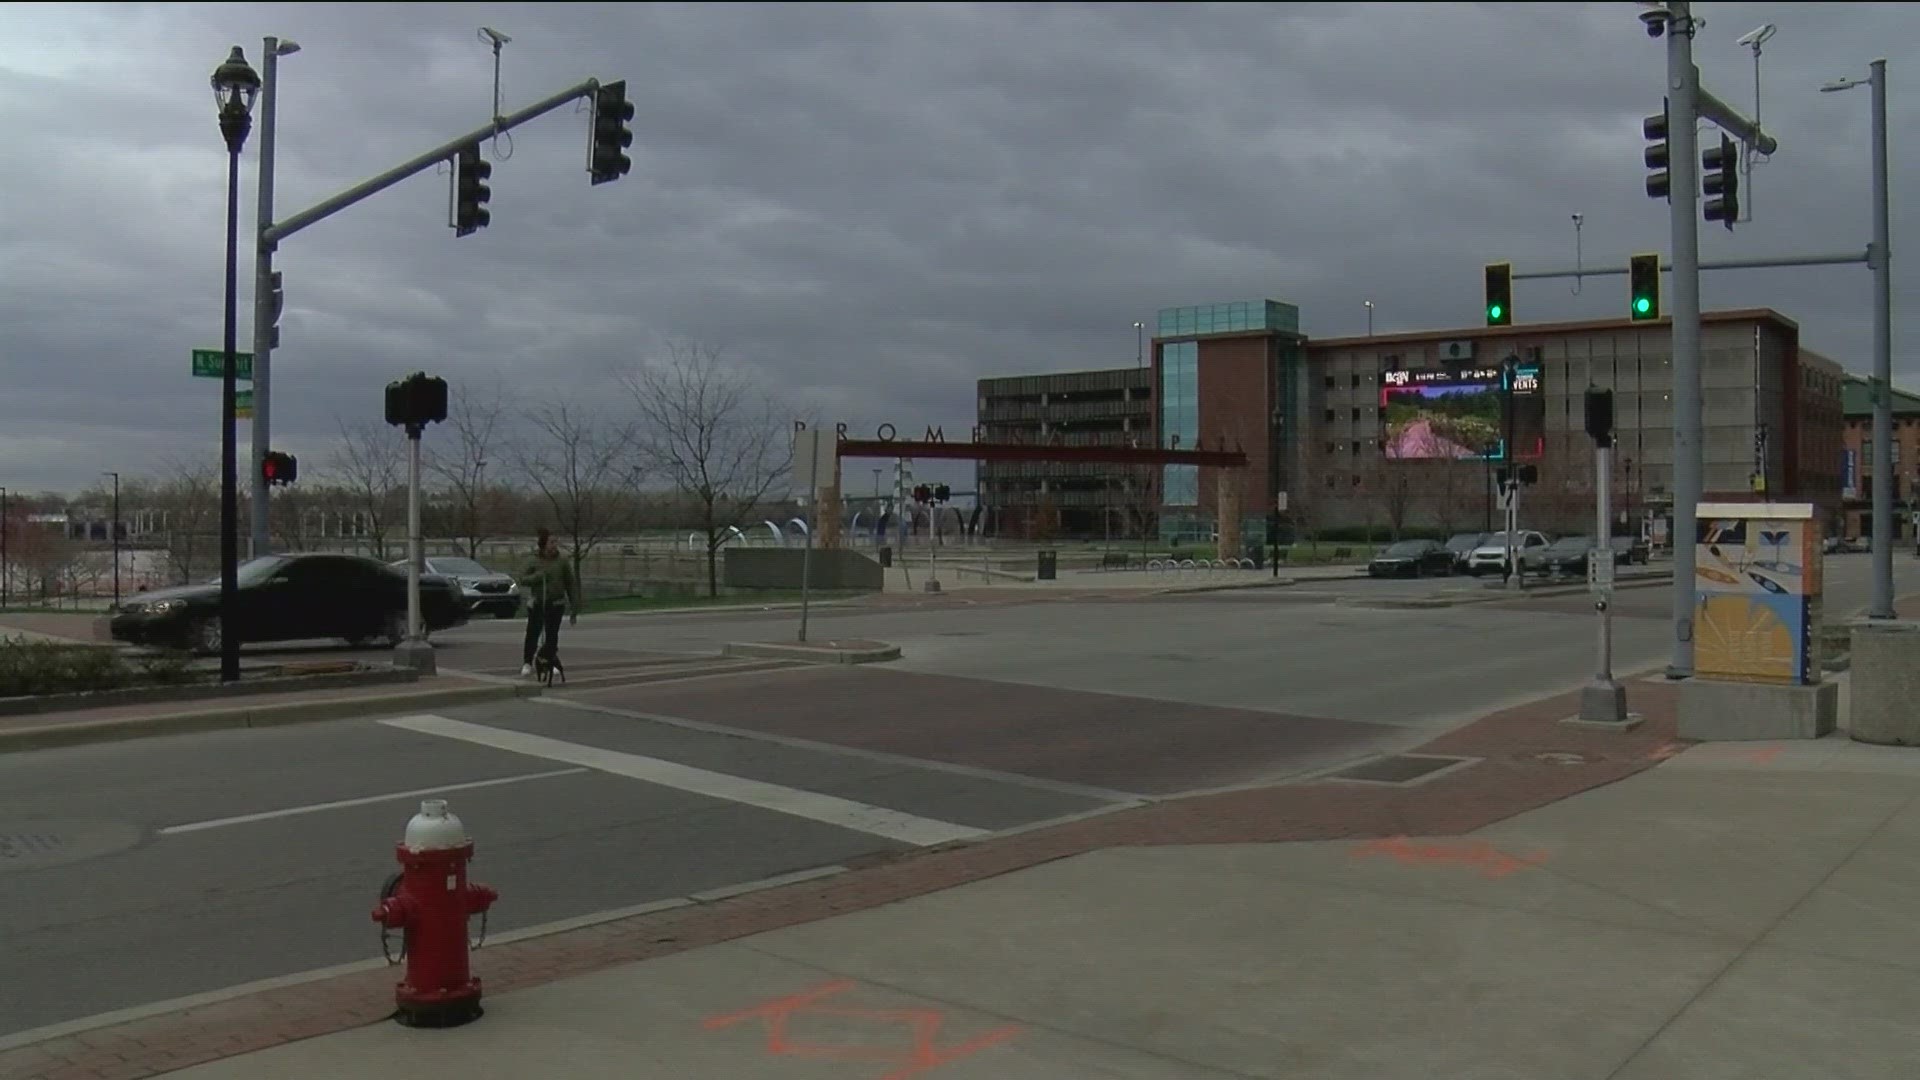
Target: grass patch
752 599
43 667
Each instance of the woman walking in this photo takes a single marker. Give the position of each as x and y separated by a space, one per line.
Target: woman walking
551 593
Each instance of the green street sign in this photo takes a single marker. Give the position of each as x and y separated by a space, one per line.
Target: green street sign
212 363
243 404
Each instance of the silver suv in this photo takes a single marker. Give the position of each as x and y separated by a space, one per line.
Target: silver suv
1491 556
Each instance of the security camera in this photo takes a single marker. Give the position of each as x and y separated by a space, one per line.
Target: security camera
1656 17
498 37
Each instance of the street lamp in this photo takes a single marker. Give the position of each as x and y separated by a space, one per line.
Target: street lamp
1879 257
1369 318
235 85
1139 344
113 530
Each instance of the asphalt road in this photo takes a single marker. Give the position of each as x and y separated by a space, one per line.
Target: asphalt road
148 870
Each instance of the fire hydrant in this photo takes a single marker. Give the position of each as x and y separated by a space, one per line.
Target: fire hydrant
431 907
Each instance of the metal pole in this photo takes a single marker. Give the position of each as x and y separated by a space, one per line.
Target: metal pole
1513 482
1606 700
1139 344
6 569
1684 191
414 547
1710 264
1882 258
263 303
813 518
113 528
229 450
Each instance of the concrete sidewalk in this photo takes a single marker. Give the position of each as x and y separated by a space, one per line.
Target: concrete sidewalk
1738 910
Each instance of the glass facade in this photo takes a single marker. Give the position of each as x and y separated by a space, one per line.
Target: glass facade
1180 418
1240 317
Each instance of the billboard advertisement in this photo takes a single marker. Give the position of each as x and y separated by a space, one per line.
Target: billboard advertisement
1461 414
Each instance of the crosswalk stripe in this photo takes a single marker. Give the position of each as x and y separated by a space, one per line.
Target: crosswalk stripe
814 806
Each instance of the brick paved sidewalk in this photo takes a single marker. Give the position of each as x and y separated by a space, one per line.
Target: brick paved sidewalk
1522 759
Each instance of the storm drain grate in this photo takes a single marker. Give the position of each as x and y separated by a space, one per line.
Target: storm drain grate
28 845
1401 769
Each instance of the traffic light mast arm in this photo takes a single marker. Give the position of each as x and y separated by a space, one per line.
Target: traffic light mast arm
1705 264
281 230
1730 121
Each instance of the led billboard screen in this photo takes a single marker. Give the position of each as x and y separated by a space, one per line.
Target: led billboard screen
1459 414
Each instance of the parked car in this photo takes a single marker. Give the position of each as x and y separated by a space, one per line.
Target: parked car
1491 556
1628 550
1567 555
1461 545
291 598
487 592
1411 558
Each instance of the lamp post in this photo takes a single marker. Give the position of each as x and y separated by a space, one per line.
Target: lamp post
266 316
113 530
1139 344
1369 318
235 84
1879 256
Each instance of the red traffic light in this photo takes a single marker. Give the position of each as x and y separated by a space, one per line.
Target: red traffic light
270 468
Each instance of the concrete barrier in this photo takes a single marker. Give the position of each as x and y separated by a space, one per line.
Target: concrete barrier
1885 680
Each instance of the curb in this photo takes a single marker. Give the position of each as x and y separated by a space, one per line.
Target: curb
51 736
43 704
607 680
812 654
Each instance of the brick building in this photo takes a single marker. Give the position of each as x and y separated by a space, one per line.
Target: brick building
1856 458
1406 431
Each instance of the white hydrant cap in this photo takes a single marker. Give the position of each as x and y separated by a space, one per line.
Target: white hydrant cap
434 828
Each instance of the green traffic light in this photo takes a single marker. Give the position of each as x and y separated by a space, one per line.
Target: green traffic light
1642 304
1493 311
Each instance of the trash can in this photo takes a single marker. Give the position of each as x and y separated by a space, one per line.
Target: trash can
886 556
1048 568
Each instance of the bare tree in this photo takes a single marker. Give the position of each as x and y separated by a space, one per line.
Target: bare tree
717 441
583 471
474 423
1392 483
370 464
189 500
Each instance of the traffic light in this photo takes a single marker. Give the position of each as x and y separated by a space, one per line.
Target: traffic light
1643 287
1720 179
1500 294
922 493
279 469
611 111
941 492
1655 129
416 401
471 192
1600 416
276 300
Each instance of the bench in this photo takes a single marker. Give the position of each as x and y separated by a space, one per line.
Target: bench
1113 560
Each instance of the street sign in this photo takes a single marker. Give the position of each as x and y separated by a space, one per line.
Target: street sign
212 363
243 404
814 452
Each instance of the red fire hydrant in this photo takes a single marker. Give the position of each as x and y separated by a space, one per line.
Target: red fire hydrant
431 907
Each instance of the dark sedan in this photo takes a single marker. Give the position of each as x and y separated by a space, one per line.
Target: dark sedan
291 598
487 592
1461 545
1412 558
1567 555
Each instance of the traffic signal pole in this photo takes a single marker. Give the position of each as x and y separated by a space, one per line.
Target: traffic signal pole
1683 83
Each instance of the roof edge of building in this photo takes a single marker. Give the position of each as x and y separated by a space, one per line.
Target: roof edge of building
1761 314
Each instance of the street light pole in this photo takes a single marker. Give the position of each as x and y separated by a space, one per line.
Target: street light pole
1880 259
1683 101
113 530
1139 344
1369 318
235 85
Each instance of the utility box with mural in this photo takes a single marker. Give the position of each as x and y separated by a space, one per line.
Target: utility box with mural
1757 582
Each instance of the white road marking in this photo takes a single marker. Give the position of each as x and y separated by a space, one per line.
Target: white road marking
832 810
269 815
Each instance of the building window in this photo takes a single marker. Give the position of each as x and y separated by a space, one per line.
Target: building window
1180 417
1330 479
1355 447
1356 412
1332 446
1329 416
1330 382
1356 380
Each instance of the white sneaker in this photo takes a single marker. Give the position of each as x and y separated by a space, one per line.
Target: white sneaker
526 670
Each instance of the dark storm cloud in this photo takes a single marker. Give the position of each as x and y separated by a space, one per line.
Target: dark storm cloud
868 206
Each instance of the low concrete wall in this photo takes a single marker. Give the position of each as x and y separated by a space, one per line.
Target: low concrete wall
779 568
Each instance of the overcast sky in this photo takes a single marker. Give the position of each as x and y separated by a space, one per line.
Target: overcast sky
869 207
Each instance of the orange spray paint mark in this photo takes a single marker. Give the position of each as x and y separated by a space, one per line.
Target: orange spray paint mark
1493 862
922 1055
